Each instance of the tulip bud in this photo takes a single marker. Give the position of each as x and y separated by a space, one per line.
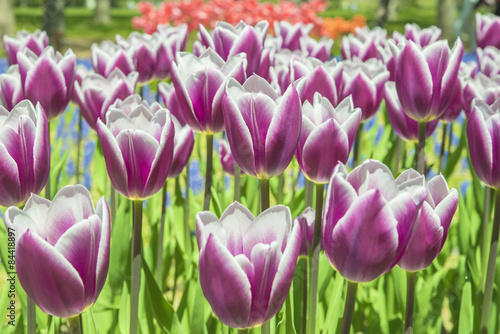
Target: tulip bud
62 250
247 264
25 152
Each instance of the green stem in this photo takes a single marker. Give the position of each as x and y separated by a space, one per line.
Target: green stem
281 184
350 300
186 215
266 328
112 203
397 158
490 275
264 194
314 260
75 325
78 147
410 301
244 331
159 251
443 144
304 295
47 185
484 227
308 192
136 266
357 141
31 316
420 153
237 182
450 137
208 174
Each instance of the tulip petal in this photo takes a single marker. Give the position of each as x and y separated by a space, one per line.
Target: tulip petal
102 265
480 145
236 220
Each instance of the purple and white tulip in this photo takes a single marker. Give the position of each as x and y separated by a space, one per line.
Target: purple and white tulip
226 158
419 36
169 97
107 56
489 61
487 28
262 128
35 42
364 45
62 250
183 147
369 219
480 87
247 264
306 222
11 91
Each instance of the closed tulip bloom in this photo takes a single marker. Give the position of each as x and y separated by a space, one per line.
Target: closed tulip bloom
167 94
183 147
364 45
433 222
262 128
290 66
62 250
483 127
107 56
489 61
25 152
368 219
365 81
48 79
36 42
422 37
405 127
199 84
138 149
325 79
480 87
425 78
11 91
143 49
97 93
226 158
247 264
306 222
487 28
456 104
171 40
289 35
228 41
326 137
319 49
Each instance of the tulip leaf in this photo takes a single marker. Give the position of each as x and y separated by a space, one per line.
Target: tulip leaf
198 317
4 259
124 310
120 246
334 306
466 318
216 202
454 157
163 312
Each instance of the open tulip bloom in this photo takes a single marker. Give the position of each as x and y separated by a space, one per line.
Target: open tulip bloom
247 264
262 128
480 87
48 79
36 42
62 250
24 151
487 27
326 137
422 37
107 56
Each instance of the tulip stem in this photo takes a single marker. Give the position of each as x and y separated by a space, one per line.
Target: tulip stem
399 144
47 185
186 209
410 301
420 153
237 182
243 331
281 184
314 260
443 144
350 301
490 275
136 266
264 194
484 227
31 316
308 189
78 148
159 251
112 203
305 265
208 172
357 141
75 324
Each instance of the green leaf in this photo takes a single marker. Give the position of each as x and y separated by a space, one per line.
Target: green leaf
454 157
335 306
198 316
55 172
124 310
216 202
466 318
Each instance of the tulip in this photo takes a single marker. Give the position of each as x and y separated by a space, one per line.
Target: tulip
97 93
405 127
183 147
228 41
480 87
172 40
482 128
319 49
108 56
487 27
468 70
25 151
81 71
142 49
11 91
138 148
306 222
422 37
289 35
35 42
367 207
489 61
167 94
326 137
62 250
262 129
425 86
290 66
199 84
325 79
247 264
433 222
48 79
456 106
226 158
364 45
365 81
